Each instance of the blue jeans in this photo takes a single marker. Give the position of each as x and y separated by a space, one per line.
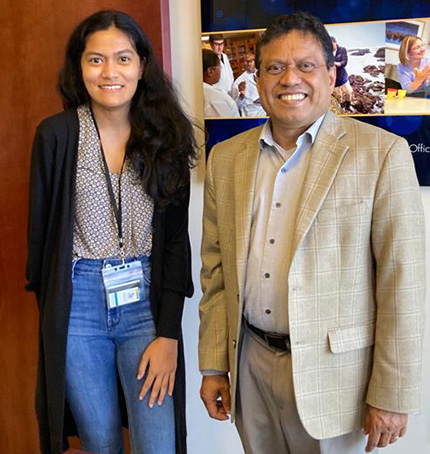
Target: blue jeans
103 344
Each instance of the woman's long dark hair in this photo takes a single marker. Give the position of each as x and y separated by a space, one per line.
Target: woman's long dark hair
161 146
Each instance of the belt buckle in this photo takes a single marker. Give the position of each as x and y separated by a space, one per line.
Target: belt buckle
281 337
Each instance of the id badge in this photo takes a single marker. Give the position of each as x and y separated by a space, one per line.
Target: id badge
123 283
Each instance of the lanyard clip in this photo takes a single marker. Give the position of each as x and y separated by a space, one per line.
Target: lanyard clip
121 249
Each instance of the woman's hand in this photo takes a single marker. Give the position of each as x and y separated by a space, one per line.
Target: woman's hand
160 358
421 76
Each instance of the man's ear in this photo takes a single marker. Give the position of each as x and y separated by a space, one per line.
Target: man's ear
332 77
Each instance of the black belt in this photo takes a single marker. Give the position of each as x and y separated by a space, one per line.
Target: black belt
279 341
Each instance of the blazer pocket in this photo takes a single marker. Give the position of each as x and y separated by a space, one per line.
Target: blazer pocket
349 338
340 213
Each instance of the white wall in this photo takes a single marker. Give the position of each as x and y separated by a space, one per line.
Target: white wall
205 435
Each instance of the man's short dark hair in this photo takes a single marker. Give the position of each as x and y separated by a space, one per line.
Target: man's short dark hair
210 59
305 22
218 37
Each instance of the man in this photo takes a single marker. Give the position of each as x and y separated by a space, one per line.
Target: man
226 79
245 91
313 266
342 87
217 102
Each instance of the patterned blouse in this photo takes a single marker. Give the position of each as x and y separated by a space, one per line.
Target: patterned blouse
95 234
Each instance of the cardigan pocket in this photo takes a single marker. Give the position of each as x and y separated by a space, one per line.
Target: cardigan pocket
348 338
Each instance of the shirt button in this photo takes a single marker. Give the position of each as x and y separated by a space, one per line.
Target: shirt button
268 311
267 275
272 241
277 205
283 170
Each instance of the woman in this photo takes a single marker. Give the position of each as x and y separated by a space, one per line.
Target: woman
109 256
414 66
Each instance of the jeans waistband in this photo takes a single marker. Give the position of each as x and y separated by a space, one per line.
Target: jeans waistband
99 264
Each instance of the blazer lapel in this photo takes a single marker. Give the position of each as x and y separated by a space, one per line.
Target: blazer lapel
245 171
325 158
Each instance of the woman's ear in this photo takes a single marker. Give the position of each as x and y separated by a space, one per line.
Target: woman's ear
142 67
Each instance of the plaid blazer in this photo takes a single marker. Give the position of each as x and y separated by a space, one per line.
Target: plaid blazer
356 280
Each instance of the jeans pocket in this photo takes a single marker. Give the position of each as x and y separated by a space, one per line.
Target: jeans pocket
146 268
74 262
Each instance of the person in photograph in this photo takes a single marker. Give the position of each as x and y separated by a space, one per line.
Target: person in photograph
245 91
226 79
108 248
414 67
217 102
313 266
342 87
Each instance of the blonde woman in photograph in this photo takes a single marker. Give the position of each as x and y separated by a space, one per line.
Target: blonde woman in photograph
414 66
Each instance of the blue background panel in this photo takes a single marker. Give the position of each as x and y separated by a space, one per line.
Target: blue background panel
220 15
415 129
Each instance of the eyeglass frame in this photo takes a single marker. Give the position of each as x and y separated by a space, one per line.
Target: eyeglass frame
295 68
419 46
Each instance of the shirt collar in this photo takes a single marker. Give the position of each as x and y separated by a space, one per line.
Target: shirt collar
266 137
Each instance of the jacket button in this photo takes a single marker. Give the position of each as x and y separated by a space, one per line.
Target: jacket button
234 343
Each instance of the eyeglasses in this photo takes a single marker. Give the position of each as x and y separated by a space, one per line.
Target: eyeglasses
418 46
302 69
218 43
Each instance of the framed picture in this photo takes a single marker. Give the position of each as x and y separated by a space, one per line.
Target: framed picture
396 31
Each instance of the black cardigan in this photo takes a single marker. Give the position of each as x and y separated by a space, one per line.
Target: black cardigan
50 240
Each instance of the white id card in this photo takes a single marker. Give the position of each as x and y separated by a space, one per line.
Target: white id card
123 284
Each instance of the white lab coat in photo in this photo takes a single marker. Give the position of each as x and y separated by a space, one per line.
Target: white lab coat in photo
226 80
218 103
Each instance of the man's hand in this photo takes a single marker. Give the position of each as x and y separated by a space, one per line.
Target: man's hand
242 89
215 394
383 427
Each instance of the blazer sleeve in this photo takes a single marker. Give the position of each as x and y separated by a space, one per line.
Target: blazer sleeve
41 171
176 281
398 242
213 335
